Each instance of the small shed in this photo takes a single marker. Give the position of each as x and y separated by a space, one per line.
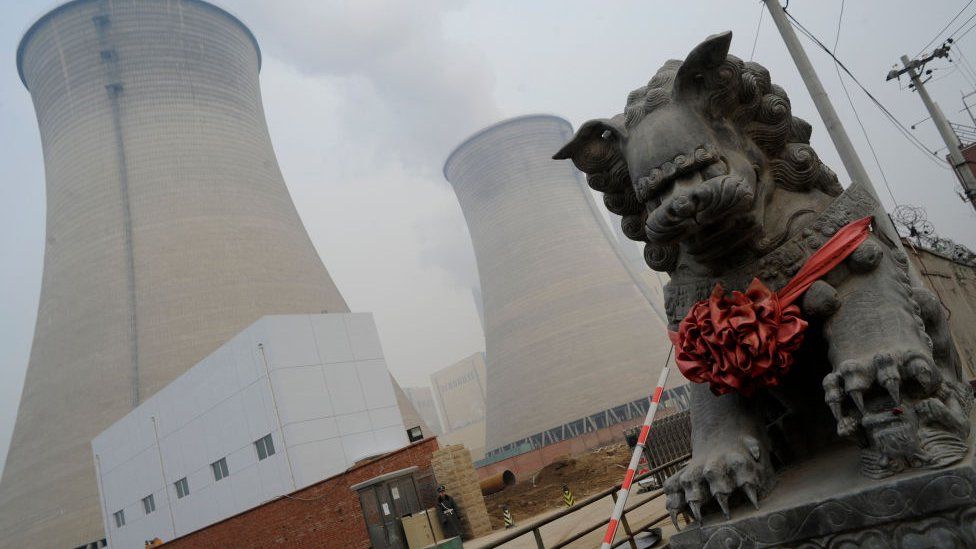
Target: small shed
385 500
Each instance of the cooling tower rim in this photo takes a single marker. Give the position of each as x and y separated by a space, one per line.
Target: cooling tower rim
72 3
498 125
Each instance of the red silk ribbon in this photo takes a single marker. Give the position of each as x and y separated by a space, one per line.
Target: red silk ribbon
746 341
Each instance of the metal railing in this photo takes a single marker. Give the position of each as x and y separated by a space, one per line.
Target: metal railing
676 398
629 533
966 134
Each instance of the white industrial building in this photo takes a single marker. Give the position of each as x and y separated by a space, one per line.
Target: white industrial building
291 400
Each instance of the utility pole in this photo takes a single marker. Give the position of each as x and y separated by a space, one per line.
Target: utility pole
848 156
914 69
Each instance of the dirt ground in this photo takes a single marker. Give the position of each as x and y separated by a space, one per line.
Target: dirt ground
585 474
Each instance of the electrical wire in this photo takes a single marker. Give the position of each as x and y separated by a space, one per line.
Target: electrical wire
957 38
799 26
952 71
960 27
838 65
864 132
917 143
762 11
951 21
924 269
967 68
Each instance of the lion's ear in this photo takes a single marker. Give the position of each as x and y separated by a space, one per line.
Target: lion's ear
595 146
706 58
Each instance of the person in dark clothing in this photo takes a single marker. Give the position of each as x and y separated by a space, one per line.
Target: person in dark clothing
450 516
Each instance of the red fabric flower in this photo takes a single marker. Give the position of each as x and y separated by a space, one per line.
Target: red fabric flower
746 341
740 342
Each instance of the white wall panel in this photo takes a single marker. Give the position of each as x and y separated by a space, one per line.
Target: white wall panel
358 446
317 460
385 417
310 431
347 395
357 422
390 438
248 369
332 338
257 415
291 342
375 380
247 488
301 393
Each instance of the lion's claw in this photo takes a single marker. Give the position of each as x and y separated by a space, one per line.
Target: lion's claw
847 426
696 511
723 502
753 445
888 377
750 492
834 396
924 372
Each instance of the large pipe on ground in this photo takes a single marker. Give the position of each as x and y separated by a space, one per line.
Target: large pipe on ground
497 483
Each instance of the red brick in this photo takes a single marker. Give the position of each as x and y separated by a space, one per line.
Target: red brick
331 520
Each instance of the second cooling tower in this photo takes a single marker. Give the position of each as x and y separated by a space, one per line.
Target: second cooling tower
569 332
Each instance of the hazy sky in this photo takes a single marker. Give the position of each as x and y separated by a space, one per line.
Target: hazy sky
365 99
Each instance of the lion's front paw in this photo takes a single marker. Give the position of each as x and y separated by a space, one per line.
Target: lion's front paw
738 467
893 372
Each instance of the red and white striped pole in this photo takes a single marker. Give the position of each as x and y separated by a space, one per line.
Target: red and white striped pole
618 508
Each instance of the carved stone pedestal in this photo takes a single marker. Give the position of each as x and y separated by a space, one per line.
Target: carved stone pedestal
827 503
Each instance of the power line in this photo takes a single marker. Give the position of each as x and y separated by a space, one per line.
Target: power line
967 31
891 117
953 70
951 21
960 27
967 69
762 11
864 132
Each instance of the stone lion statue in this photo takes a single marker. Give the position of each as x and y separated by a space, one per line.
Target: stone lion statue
709 168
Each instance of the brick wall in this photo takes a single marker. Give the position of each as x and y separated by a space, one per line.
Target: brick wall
454 469
324 515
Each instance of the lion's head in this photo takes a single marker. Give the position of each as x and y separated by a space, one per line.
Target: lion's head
692 161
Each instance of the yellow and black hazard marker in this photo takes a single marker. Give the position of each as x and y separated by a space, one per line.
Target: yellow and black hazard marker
507 517
568 496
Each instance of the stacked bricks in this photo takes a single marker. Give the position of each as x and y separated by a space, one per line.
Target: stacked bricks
324 515
454 469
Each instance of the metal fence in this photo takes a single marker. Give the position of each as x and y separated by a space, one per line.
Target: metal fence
676 398
629 533
670 438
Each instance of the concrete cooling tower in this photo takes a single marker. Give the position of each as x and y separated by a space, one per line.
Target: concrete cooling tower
169 229
571 329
